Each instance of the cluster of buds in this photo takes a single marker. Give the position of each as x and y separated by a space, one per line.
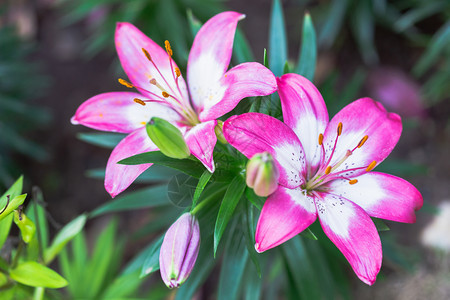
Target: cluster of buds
262 174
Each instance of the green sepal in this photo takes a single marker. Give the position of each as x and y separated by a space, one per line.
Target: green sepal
26 226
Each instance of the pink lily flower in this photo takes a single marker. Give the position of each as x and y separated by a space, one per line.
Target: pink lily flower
325 172
212 92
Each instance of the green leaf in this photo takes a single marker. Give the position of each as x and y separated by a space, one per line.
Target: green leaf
307 233
105 140
33 274
123 287
363 27
308 51
151 262
242 51
14 191
277 39
333 23
380 225
194 23
143 198
249 234
229 202
265 59
203 181
255 199
188 166
408 19
13 204
233 267
5 226
181 189
138 261
36 212
67 233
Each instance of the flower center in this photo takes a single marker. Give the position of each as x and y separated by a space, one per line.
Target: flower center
183 108
325 172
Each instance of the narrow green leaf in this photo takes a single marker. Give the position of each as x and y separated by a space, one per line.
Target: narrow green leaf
364 29
308 51
254 199
151 262
265 59
241 48
33 274
188 166
105 140
333 23
194 23
123 287
233 267
181 189
5 226
413 16
143 198
307 233
229 202
67 233
277 39
380 225
249 234
286 68
14 203
203 181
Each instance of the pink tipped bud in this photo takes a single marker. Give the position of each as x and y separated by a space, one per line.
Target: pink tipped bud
262 174
179 250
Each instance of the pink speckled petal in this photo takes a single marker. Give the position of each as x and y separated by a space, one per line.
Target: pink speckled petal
253 133
382 196
129 43
305 112
117 112
286 213
244 80
118 177
210 56
362 117
353 232
201 140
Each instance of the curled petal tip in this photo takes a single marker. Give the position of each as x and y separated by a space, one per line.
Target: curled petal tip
74 120
258 248
242 17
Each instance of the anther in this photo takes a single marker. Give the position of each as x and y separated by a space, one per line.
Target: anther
125 83
168 48
320 139
371 166
139 101
353 181
328 170
362 141
147 54
339 129
165 94
153 81
177 72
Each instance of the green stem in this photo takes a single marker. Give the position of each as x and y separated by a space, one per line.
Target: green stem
18 252
202 204
39 293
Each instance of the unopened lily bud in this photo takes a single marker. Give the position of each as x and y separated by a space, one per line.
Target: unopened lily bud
26 226
262 174
219 132
179 250
167 138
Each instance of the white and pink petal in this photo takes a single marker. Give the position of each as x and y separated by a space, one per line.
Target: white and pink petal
286 213
118 177
201 140
382 196
353 232
253 133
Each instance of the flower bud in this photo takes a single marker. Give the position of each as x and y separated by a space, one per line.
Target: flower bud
262 174
219 132
167 138
26 226
179 250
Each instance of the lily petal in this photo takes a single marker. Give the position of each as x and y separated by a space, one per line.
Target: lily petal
129 44
286 213
305 112
362 117
253 133
245 80
201 140
382 196
118 177
210 56
117 112
353 232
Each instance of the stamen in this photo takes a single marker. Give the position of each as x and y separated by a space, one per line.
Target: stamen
177 72
362 141
147 54
165 94
339 129
139 101
125 83
353 181
371 166
328 170
168 48
320 139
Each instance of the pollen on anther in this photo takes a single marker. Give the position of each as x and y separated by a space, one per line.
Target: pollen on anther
125 83
362 141
353 181
139 101
177 72
147 54
168 48
165 94
328 170
339 129
371 166
320 139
